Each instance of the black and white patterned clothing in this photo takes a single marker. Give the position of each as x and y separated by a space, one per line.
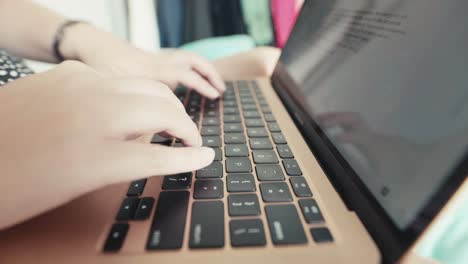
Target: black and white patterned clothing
12 68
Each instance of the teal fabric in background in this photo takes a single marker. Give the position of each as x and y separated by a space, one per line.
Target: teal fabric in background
447 241
217 47
257 17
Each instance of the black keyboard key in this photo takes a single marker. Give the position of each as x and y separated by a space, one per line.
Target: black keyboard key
177 181
232 119
207 225
321 234
195 96
236 150
262 103
269 173
144 208
243 205
212 141
243 84
254 123
248 107
211 121
275 192
231 111
274 127
242 182
116 237
230 104
214 170
127 209
251 114
266 110
229 97
278 138
247 99
210 131
212 104
260 143
291 167
208 189
136 187
180 90
211 113
268 117
167 230
254 132
234 138
238 165
193 108
157 139
247 233
311 211
285 225
254 84
233 127
264 156
300 187
218 154
284 151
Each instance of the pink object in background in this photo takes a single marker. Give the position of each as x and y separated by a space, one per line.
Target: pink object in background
284 13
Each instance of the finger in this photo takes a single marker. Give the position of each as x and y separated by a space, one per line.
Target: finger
207 70
131 160
194 81
145 87
136 114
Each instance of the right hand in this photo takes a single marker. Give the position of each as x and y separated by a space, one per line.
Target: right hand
67 132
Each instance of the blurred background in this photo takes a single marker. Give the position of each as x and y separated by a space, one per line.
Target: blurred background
211 28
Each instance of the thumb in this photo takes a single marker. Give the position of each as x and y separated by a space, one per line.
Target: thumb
133 160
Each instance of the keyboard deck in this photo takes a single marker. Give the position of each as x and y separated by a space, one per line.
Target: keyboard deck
253 163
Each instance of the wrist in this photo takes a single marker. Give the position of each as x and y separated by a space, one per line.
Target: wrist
83 42
74 41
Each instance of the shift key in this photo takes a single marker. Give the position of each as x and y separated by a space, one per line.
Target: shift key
285 225
167 230
207 227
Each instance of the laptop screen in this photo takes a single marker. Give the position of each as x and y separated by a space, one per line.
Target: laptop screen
386 81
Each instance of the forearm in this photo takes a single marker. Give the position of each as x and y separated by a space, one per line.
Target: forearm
27 29
32 35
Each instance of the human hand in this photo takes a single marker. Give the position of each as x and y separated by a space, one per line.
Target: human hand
66 132
110 55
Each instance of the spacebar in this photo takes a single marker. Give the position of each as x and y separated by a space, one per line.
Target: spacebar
167 230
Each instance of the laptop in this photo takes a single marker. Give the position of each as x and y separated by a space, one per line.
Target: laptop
345 155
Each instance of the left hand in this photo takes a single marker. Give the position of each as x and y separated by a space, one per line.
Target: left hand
110 55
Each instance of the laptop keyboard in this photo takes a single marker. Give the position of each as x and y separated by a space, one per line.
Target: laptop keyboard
250 151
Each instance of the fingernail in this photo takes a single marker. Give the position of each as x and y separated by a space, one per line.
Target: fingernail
208 152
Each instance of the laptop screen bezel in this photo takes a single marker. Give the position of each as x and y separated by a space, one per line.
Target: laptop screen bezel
392 241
